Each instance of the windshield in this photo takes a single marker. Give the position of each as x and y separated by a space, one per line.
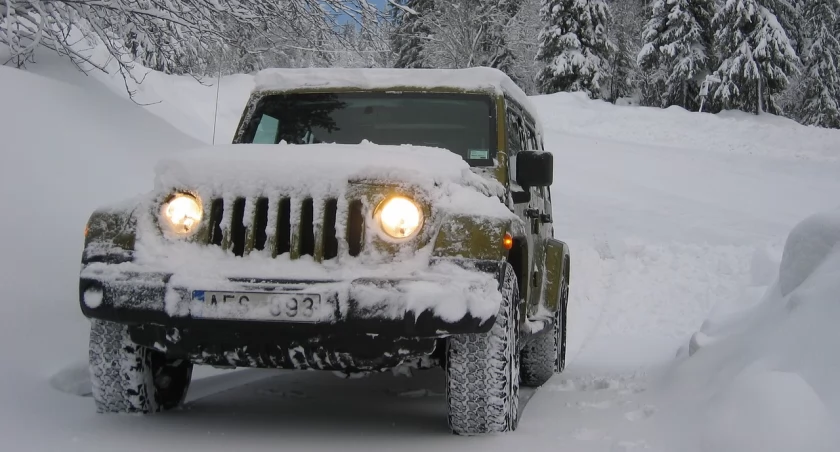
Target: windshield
461 123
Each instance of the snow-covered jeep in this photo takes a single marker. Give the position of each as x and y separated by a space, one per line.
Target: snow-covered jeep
304 245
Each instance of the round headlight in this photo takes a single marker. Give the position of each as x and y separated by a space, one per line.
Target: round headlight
400 217
183 212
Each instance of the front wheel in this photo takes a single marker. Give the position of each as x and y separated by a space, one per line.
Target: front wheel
128 378
482 372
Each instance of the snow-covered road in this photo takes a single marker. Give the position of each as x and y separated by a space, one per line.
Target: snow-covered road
665 227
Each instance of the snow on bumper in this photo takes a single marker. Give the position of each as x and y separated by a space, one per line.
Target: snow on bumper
446 299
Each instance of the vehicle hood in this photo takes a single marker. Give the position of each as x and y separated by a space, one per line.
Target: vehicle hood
327 170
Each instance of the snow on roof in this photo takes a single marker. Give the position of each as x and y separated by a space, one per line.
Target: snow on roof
472 79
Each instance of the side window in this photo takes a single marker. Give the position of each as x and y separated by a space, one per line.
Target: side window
515 139
531 138
514 133
267 130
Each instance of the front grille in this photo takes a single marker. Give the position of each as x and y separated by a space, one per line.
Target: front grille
307 227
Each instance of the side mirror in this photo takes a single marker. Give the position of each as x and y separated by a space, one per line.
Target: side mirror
534 169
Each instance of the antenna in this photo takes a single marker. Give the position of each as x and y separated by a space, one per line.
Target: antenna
216 113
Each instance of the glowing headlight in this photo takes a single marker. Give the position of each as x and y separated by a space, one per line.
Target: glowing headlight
183 212
399 217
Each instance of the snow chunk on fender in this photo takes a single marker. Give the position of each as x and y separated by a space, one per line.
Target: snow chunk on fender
454 294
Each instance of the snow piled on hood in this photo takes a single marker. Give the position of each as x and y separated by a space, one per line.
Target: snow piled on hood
767 378
325 170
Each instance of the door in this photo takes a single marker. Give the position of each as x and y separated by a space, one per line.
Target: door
535 214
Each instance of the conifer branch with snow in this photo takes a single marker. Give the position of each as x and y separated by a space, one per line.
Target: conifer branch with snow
574 46
678 49
821 84
757 56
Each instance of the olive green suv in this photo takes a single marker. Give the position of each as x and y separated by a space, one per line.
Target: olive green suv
362 220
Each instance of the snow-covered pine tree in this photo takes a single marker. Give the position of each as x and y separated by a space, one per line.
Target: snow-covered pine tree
789 15
574 46
411 32
624 30
678 47
620 67
757 56
821 78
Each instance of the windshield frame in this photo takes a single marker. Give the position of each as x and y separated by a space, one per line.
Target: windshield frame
250 123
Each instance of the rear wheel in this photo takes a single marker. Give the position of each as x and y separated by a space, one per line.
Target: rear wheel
128 378
482 372
560 333
545 354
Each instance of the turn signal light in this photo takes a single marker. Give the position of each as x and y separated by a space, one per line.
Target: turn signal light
507 241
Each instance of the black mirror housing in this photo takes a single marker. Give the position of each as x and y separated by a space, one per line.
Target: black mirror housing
534 169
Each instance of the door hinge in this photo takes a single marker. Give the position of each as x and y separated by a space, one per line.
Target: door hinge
535 279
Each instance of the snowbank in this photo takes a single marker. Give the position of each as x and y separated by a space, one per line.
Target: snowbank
727 133
765 379
65 151
187 103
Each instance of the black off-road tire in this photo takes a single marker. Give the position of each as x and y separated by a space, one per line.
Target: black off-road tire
545 353
128 378
560 336
482 372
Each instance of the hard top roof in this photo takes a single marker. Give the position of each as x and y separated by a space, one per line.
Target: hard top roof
318 79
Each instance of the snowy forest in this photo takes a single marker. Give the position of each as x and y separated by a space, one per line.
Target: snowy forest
776 56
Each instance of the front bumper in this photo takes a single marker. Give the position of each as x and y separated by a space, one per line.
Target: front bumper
376 333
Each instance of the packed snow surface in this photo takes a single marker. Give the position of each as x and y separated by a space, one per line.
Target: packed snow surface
680 335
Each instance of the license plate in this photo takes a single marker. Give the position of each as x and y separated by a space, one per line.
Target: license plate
266 306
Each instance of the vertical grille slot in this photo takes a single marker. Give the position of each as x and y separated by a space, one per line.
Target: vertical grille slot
283 236
355 228
330 239
307 232
260 223
237 227
217 211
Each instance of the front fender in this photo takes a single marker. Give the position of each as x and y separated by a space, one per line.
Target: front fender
110 236
474 237
557 269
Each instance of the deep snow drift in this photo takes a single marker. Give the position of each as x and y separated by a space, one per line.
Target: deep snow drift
65 150
670 215
765 378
